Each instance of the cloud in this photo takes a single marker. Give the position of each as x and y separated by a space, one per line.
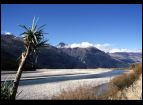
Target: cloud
7 33
104 47
81 45
124 50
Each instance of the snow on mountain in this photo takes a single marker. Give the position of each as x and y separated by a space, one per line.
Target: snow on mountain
108 48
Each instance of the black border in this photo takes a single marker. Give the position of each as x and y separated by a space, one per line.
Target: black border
73 102
71 1
60 102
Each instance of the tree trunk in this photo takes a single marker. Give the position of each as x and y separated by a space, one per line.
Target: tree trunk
35 62
19 72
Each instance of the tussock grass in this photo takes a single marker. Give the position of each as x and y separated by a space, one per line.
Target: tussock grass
110 94
82 92
114 91
137 68
127 79
118 86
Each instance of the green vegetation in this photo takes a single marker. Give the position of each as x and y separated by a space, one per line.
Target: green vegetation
6 89
33 39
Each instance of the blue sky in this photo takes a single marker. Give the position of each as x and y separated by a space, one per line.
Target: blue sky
119 25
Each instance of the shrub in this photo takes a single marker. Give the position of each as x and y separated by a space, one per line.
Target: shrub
6 89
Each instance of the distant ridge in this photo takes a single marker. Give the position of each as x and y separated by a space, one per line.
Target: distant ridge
64 57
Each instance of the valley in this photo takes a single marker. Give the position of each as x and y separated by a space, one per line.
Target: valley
45 83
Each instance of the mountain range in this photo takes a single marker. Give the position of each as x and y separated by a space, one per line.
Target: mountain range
61 57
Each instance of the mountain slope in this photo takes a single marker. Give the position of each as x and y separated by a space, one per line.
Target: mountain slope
50 57
127 57
93 57
60 57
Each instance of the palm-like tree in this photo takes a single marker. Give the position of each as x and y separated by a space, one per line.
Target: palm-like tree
33 40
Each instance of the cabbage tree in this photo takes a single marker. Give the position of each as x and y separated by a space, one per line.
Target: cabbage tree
33 38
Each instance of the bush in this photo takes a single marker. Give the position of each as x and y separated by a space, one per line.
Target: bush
6 89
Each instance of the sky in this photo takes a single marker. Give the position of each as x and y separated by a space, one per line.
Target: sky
105 26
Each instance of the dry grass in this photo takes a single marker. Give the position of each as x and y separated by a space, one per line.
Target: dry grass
137 68
110 94
124 80
118 86
114 88
82 92
127 79
86 92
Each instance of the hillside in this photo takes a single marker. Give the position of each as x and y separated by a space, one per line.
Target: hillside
50 57
93 57
128 57
60 57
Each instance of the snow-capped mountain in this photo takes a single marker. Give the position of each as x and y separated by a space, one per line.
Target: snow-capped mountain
63 56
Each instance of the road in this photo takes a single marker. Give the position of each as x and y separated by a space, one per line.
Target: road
45 83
